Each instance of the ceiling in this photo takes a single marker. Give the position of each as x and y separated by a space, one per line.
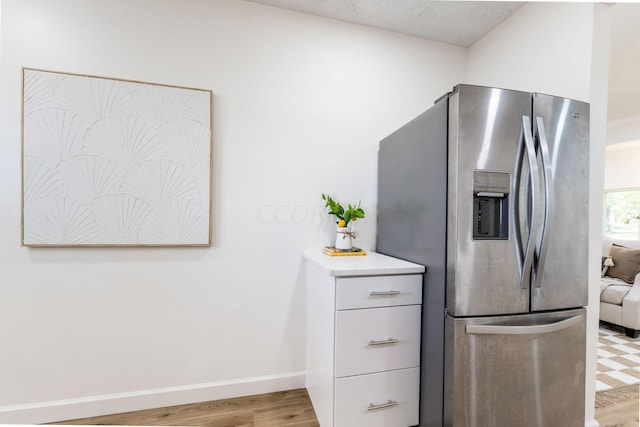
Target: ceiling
462 23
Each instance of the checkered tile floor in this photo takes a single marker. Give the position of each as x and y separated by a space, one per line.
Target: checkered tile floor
618 359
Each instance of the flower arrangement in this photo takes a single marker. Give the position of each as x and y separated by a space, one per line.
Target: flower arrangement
344 216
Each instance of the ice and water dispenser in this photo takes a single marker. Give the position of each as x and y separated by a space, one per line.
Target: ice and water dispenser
490 205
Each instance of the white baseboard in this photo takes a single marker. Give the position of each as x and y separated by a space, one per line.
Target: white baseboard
69 409
592 423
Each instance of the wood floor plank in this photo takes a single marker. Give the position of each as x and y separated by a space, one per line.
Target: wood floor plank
619 407
292 408
279 409
288 415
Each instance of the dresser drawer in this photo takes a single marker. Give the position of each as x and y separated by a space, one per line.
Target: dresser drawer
378 291
377 339
385 399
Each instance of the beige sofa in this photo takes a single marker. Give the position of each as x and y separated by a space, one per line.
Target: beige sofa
619 300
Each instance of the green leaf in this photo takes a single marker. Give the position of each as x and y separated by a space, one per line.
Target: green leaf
335 208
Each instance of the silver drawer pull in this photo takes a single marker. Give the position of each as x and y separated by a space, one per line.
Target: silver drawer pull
384 342
389 404
383 293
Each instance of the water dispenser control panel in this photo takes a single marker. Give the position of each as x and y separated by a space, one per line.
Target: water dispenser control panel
491 205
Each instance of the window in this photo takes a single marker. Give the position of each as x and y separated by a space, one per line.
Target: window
622 214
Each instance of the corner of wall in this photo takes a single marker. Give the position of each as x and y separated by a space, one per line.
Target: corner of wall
598 95
115 403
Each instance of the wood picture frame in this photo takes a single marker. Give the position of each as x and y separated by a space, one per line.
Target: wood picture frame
114 162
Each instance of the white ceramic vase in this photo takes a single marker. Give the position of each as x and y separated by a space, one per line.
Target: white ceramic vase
343 238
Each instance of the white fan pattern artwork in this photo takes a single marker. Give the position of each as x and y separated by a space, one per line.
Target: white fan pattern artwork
114 163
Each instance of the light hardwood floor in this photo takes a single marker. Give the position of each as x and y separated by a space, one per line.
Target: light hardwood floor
281 409
619 407
293 408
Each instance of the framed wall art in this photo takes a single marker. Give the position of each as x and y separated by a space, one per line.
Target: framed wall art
110 162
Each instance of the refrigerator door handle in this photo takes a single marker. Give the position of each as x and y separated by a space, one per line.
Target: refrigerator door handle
529 149
522 330
515 203
548 203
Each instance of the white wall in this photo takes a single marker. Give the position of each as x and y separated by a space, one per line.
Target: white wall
624 130
598 130
543 47
621 166
559 49
300 105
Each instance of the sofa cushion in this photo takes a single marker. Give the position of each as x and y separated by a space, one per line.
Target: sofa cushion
607 241
626 263
613 290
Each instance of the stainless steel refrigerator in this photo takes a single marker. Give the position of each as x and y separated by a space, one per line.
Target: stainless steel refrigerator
489 190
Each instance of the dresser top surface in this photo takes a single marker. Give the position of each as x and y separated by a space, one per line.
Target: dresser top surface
372 264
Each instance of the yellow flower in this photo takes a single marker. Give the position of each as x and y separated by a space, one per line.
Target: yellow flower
342 223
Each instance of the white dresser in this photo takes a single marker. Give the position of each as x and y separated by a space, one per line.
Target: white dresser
363 339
